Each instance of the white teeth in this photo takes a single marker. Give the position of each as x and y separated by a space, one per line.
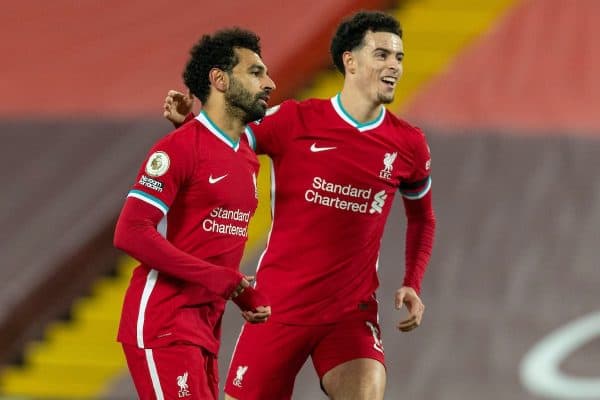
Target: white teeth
391 81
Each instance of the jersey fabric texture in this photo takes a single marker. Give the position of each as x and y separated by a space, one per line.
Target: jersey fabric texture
334 181
200 187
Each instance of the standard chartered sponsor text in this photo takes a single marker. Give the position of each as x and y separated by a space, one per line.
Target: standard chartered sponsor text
320 194
236 215
223 225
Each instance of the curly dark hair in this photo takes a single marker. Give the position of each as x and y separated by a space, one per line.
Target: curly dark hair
216 51
352 30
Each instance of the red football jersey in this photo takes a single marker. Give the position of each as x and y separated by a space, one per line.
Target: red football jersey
334 182
205 185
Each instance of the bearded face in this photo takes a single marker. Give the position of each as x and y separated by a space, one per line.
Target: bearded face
240 100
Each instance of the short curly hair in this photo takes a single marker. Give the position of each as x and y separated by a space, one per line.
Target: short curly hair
216 51
352 30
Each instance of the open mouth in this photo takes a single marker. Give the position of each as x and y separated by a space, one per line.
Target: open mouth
389 81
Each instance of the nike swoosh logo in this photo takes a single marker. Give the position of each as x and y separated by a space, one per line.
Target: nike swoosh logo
316 149
212 180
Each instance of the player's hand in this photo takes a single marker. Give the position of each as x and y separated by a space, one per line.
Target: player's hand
244 283
407 295
253 303
259 316
177 106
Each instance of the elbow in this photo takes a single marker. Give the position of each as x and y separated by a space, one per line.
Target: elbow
118 242
431 219
120 237
135 227
429 222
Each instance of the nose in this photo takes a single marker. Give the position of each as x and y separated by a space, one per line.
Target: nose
395 65
269 84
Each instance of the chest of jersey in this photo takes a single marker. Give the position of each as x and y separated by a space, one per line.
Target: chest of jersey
227 179
221 194
340 159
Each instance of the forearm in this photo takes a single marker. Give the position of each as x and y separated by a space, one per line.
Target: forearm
136 235
420 232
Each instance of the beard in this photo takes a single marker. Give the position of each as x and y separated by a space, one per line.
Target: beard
242 103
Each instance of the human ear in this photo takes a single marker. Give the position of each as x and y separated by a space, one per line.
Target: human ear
219 79
349 61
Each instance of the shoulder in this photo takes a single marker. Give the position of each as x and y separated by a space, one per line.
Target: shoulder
186 132
282 109
183 140
404 128
292 107
306 110
311 106
403 125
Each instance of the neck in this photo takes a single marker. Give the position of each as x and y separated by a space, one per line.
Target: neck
358 105
227 122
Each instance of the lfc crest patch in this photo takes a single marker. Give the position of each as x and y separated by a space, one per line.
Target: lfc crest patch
388 165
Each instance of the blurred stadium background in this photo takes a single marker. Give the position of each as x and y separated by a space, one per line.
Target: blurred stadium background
508 92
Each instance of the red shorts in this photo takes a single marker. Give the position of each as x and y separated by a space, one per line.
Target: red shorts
173 372
268 356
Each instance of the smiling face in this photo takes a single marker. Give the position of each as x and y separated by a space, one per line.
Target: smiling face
376 66
249 86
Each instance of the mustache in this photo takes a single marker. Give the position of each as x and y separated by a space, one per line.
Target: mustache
262 96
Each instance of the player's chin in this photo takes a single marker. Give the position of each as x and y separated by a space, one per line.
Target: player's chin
261 106
255 113
386 97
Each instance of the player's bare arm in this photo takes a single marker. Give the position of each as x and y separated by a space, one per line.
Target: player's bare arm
177 106
415 307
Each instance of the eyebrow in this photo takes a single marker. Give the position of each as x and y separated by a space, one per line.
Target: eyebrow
387 51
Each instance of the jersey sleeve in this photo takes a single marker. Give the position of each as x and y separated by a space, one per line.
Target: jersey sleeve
421 222
272 132
139 234
420 233
419 183
165 169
